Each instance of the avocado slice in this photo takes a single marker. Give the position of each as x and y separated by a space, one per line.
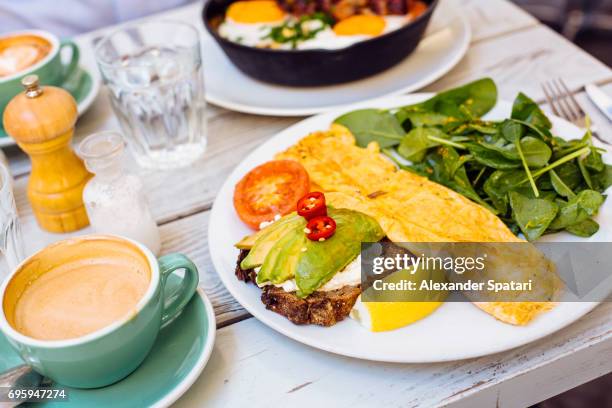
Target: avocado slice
322 260
267 237
280 262
248 241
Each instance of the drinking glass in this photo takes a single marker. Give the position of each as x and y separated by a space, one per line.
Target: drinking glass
154 73
11 243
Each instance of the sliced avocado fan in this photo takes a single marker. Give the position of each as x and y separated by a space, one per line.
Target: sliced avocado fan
283 251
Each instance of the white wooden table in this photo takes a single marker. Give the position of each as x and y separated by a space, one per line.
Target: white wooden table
254 366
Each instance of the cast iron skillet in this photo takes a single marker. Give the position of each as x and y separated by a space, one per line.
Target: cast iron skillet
320 67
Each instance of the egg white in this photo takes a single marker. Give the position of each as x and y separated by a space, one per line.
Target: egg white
328 39
252 35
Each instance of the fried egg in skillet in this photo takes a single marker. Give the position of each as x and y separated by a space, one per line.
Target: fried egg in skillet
264 24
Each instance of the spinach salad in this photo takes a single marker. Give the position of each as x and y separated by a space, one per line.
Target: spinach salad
535 181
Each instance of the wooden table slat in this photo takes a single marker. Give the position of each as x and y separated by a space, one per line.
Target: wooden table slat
268 369
484 18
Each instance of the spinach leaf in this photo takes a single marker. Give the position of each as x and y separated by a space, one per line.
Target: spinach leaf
513 131
491 157
372 125
603 179
508 150
468 101
567 147
569 173
482 127
560 187
544 195
577 209
542 133
536 152
584 228
533 215
499 184
526 110
447 169
474 126
543 182
585 172
593 161
420 119
415 144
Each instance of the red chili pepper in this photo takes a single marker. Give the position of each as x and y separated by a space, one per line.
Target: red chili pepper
320 228
312 205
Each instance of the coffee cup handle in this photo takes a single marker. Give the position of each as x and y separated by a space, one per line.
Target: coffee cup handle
72 65
175 301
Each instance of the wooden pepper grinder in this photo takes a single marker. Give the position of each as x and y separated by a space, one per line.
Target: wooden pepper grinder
41 120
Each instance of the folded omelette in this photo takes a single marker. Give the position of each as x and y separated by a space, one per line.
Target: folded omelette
408 207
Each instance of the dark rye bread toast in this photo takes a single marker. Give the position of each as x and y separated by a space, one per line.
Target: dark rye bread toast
321 308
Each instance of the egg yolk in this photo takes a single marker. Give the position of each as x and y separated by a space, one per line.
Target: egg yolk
255 11
360 25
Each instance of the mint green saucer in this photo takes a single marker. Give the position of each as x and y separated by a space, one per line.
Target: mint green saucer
175 362
83 85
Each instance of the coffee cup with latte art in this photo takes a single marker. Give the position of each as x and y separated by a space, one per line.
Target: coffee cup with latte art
86 311
33 52
19 52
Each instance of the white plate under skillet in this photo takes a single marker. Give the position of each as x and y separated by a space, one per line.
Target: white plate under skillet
445 42
455 331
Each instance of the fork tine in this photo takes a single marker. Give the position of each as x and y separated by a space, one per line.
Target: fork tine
572 99
556 98
575 113
550 99
562 99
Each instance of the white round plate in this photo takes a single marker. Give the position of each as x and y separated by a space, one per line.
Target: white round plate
455 331
446 41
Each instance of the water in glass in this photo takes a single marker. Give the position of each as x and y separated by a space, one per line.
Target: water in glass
157 93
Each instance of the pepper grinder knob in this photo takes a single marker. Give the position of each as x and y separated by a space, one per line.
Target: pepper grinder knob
31 85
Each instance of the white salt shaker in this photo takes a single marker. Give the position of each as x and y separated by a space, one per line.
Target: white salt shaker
115 200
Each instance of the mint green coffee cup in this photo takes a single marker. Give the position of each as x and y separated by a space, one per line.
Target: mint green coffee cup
109 354
51 69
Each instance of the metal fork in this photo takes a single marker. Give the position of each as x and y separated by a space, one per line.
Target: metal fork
565 105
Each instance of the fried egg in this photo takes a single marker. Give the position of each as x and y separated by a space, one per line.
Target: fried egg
353 30
251 22
255 11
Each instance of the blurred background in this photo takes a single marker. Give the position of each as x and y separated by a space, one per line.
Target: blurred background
588 23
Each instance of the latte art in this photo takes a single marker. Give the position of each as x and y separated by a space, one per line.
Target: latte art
74 288
17 53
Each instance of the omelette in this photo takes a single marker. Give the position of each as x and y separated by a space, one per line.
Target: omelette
408 207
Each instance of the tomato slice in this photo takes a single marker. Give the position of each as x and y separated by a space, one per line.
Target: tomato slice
312 205
320 228
269 190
